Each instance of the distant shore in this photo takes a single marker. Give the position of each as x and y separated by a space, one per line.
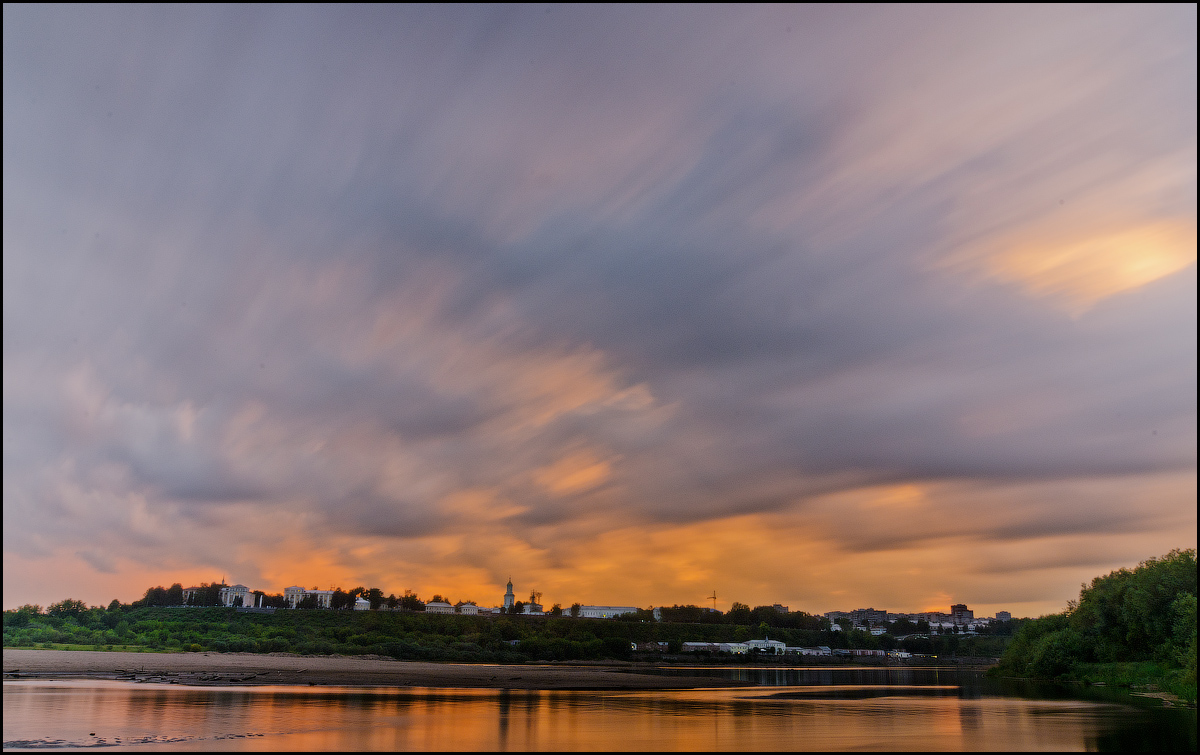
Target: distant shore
251 669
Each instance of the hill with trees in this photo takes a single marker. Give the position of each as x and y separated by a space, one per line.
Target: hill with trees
159 622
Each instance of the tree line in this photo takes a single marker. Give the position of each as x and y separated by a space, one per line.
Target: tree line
414 635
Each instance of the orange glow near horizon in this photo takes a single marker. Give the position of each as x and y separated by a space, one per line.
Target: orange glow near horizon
791 557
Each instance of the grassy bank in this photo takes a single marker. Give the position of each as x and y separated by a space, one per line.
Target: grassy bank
1140 676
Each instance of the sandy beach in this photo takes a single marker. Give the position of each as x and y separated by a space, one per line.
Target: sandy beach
245 669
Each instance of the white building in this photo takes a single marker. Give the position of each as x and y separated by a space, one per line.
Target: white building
737 648
231 593
468 609
294 594
362 604
604 612
509 598
774 647
438 606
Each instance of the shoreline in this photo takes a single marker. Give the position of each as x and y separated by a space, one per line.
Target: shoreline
208 669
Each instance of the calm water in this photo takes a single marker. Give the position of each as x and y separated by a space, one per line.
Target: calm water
796 709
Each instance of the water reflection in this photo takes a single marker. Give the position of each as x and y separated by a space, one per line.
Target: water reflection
834 709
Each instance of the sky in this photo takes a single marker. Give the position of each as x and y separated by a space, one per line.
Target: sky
830 306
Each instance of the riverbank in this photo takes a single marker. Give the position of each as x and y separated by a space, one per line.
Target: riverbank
249 669
1140 679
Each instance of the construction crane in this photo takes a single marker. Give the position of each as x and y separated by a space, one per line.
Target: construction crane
713 598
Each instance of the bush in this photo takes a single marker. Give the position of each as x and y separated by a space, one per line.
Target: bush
1057 653
616 647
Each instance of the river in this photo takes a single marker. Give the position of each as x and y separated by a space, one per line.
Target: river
794 709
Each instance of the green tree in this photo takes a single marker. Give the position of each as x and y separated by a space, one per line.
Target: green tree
67 607
155 596
739 613
410 602
1141 614
576 609
1183 643
375 595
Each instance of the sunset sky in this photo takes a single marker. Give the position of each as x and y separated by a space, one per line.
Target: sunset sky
830 306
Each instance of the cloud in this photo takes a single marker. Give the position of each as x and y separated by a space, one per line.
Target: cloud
634 277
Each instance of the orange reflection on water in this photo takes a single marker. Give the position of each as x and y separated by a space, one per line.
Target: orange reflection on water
887 715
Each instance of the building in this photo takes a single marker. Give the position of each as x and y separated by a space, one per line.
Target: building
774 647
532 609
700 647
467 609
509 598
868 616
230 595
604 612
819 650
779 608
1003 616
189 595
294 594
653 647
960 614
438 606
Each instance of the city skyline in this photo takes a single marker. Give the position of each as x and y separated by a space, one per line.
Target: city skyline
816 305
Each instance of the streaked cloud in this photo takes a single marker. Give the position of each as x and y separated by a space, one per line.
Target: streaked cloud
630 304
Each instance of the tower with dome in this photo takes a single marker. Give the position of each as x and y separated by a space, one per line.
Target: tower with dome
509 598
